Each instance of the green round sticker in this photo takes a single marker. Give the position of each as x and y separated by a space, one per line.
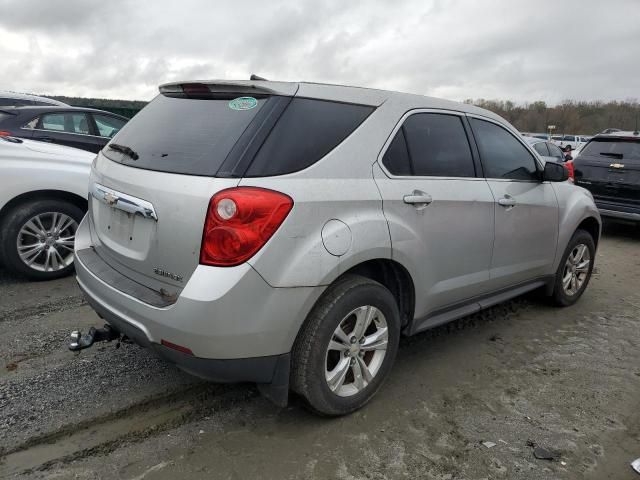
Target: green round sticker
243 103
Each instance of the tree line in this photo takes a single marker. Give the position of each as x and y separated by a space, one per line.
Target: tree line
583 118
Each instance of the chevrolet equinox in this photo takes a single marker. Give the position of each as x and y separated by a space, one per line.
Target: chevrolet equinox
288 234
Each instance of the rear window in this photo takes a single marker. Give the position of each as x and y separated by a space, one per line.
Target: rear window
306 132
608 148
183 135
195 136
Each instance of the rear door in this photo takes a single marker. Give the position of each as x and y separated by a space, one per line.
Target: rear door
148 205
440 210
609 167
526 209
106 126
72 129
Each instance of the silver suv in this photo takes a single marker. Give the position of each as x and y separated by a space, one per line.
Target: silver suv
289 233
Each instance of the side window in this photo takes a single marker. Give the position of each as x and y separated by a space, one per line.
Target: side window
53 121
32 124
307 131
555 151
541 148
107 126
502 155
396 158
437 146
66 122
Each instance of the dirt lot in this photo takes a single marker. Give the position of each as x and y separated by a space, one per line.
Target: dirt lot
520 374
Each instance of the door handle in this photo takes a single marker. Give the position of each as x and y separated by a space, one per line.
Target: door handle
507 201
44 139
418 198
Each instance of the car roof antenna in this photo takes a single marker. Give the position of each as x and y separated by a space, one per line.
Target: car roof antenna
256 77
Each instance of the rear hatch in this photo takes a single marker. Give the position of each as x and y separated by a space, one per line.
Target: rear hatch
609 167
151 186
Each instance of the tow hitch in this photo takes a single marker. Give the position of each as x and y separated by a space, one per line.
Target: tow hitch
78 341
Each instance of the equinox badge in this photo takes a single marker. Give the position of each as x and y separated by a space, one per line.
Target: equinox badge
164 273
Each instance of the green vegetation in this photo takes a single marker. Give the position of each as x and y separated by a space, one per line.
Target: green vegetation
583 118
126 108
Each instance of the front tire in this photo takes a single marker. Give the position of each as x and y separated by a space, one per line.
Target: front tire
575 269
38 237
346 347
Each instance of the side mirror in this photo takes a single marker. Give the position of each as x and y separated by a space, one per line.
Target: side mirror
555 172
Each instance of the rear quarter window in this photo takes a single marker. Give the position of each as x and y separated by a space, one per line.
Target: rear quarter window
307 130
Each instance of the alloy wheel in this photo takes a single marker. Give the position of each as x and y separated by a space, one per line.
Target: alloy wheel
45 241
356 351
576 269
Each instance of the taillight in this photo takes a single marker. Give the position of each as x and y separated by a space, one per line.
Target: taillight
5 133
239 222
569 165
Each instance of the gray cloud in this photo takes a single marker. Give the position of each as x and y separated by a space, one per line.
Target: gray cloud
519 50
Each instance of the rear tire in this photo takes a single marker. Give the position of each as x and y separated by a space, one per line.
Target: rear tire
574 272
346 347
35 229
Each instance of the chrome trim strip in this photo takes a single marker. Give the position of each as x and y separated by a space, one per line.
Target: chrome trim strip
65 132
618 214
122 201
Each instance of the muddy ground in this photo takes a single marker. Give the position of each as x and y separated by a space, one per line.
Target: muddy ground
520 374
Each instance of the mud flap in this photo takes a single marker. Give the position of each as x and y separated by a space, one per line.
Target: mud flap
278 390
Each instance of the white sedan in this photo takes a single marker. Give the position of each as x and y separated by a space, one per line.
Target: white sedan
43 197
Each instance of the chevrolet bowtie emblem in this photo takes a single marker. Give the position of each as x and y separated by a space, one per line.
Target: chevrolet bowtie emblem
616 165
110 199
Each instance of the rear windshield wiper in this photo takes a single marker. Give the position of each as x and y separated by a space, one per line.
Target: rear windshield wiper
612 154
124 150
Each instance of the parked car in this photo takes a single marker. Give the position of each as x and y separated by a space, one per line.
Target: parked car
609 167
576 142
14 99
289 233
78 127
548 151
43 197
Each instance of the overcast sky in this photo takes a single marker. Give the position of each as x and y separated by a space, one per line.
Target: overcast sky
456 49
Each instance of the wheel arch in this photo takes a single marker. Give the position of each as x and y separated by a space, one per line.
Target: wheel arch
72 198
395 277
592 226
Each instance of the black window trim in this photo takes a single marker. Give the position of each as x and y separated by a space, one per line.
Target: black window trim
479 175
518 137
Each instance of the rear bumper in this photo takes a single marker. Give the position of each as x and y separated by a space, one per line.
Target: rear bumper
222 314
257 369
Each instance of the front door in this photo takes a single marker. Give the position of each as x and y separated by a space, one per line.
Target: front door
440 211
526 209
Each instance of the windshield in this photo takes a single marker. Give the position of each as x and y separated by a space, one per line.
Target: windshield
628 149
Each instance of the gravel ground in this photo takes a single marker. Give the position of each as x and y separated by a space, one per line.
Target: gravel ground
467 401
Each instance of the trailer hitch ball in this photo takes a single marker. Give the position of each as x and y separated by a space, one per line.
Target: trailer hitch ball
78 341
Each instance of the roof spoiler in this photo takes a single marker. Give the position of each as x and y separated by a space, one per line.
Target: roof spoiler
240 87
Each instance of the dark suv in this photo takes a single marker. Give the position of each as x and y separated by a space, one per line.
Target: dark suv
609 167
77 127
